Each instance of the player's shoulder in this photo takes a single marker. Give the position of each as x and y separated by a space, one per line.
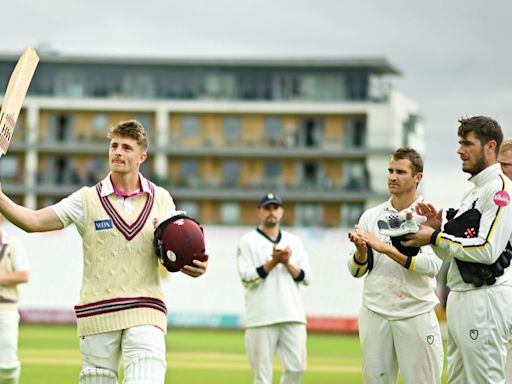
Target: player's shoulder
497 190
161 191
290 235
250 236
374 211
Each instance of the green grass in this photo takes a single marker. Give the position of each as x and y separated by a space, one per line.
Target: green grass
50 355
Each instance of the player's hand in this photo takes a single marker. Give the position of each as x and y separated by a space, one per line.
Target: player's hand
282 255
358 241
420 238
372 241
434 217
198 269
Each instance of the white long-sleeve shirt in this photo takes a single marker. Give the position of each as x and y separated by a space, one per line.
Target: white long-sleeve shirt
491 196
389 289
275 298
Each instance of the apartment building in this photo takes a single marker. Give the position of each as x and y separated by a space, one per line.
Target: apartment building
222 131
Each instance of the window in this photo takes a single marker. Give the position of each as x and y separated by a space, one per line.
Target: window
231 172
144 120
328 87
100 126
355 132
9 167
191 208
409 128
311 132
61 127
230 213
271 169
100 121
189 167
69 84
286 86
220 86
309 215
355 175
138 85
357 85
95 170
61 170
310 172
273 129
190 126
350 214
232 128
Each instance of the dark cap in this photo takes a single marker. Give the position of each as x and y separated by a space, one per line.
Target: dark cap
270 198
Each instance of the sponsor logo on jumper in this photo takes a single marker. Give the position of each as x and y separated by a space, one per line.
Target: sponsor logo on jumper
473 333
101 225
501 198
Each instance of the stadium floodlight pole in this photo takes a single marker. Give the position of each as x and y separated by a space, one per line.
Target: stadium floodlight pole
15 94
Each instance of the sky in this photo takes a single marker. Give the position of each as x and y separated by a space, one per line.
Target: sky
455 55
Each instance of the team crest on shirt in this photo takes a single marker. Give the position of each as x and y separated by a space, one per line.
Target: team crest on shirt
430 339
473 333
501 199
102 225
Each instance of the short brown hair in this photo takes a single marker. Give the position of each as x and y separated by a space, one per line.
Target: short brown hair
506 146
484 128
412 155
130 128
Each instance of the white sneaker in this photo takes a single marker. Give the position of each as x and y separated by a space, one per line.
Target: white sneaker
401 223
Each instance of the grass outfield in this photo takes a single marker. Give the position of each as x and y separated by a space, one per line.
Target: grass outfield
50 355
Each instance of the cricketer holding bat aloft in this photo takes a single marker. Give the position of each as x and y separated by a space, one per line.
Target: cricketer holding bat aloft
476 240
398 328
14 270
121 310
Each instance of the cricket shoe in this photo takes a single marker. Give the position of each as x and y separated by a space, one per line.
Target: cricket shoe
401 223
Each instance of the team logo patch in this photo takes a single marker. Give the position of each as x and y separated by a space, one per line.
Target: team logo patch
102 225
430 339
473 333
470 232
501 198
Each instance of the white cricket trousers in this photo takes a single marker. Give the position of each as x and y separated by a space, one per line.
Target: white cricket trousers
288 340
413 345
142 349
508 369
9 321
479 325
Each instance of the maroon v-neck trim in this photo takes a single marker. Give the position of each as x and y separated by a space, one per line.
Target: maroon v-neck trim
129 231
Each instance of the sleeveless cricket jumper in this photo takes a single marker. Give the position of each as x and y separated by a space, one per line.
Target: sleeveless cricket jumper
120 287
8 294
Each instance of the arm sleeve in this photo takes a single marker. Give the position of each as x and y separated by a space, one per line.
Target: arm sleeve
493 234
426 262
20 259
304 266
70 209
246 269
355 268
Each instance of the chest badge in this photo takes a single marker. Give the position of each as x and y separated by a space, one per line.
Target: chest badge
101 225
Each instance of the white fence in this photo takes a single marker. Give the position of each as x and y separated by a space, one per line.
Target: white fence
56 264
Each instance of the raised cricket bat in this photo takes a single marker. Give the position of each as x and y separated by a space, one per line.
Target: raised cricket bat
15 94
